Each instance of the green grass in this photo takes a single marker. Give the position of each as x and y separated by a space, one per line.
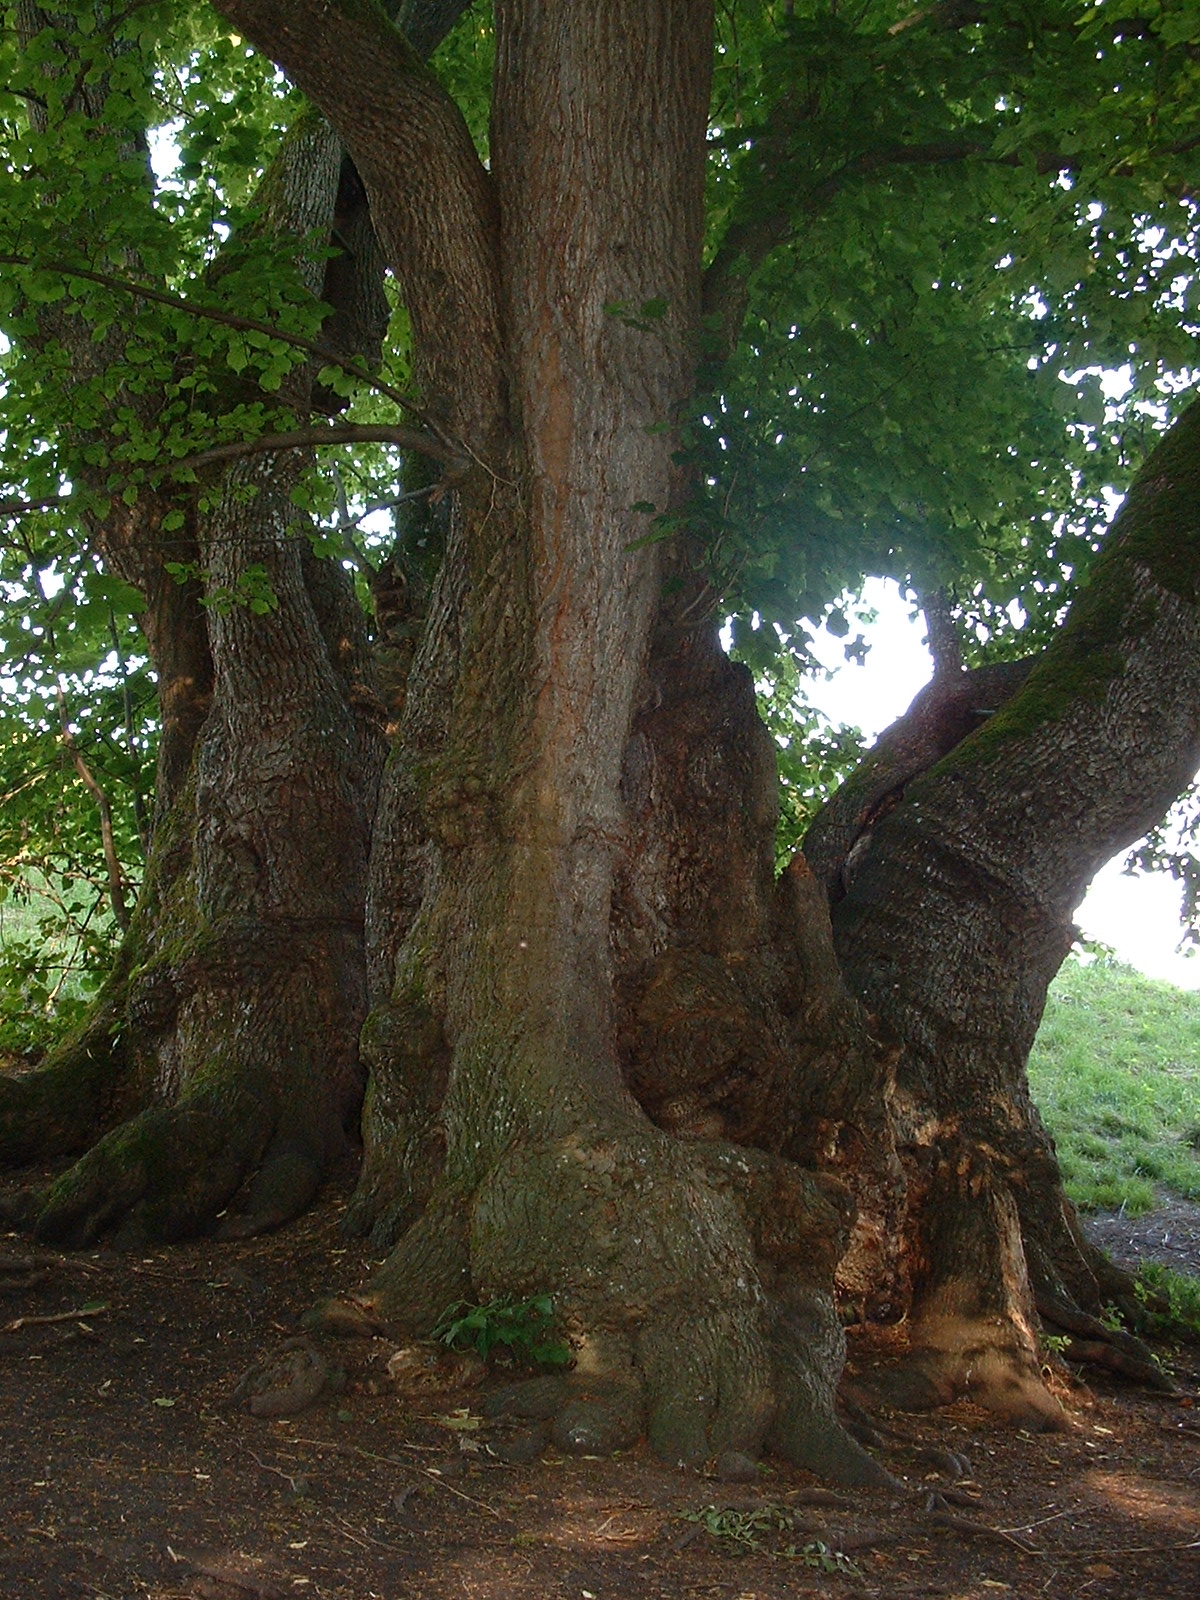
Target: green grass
1115 1071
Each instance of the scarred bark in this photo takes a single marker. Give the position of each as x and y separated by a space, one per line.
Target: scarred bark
957 914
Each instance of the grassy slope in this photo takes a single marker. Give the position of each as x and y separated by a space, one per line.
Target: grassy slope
1116 1074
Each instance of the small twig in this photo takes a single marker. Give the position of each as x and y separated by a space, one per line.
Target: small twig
1040 1523
57 1316
958 1497
1124 1550
21 508
116 880
411 1466
366 1539
289 1478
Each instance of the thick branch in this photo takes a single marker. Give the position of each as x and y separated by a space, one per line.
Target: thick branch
431 199
943 714
1101 737
941 633
425 23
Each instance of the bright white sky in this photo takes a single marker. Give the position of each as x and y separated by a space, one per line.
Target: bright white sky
1138 917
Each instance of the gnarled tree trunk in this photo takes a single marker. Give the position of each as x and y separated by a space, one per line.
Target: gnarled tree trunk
539 933
956 860
612 1057
223 1047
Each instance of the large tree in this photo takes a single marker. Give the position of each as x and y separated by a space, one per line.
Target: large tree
682 346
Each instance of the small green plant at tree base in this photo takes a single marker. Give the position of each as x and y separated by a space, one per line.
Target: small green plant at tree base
818 1554
744 1531
525 1328
1112 1319
1170 1303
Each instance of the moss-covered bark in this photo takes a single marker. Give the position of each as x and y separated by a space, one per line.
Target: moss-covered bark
957 913
241 991
222 1053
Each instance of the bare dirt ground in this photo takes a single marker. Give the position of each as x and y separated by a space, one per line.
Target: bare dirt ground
126 1473
1168 1235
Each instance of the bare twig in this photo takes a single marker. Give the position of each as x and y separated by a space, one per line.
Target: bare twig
360 1537
411 1466
290 1478
56 1316
346 433
22 508
1124 1550
116 881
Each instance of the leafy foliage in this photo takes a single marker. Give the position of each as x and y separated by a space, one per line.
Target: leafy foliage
950 248
526 1329
744 1532
959 242
73 690
1170 1303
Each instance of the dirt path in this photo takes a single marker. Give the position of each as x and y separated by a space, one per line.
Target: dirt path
125 1472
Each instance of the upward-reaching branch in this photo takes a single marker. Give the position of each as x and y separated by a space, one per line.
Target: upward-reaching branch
431 198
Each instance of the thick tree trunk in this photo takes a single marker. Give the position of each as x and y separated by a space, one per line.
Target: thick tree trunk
224 1045
238 998
537 929
955 913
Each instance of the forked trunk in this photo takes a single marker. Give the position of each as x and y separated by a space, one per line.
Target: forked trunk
955 889
504 1146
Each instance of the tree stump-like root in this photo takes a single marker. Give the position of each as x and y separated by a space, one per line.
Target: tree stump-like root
956 1358
249 1107
693 1280
971 1329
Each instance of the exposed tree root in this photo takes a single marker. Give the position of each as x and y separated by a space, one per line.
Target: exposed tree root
942 1518
694 1281
1102 1354
57 1107
162 1176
